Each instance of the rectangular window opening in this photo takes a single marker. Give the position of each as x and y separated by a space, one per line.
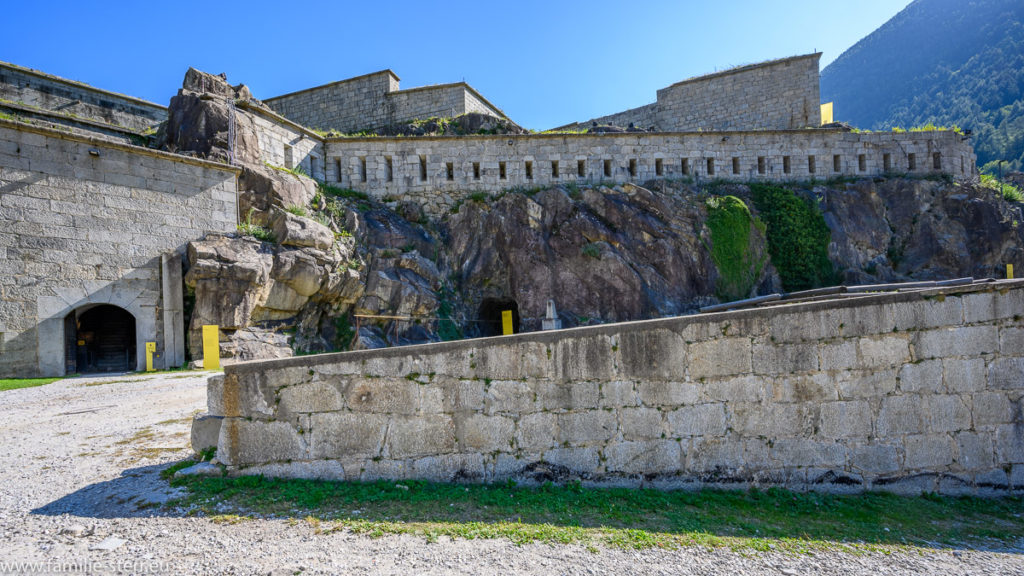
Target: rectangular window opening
476 170
423 168
529 170
362 168
911 161
862 162
554 168
786 165
501 171
632 167
607 168
449 170
581 168
711 166
887 162
337 169
961 164
389 169
289 162
735 165
761 165
837 163
685 166
812 165
937 161
659 167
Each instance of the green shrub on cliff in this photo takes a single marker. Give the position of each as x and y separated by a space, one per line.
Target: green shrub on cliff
798 237
729 220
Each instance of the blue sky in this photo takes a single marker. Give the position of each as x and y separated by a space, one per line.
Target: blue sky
544 63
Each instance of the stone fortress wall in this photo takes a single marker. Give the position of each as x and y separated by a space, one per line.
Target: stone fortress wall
902 391
779 94
440 171
87 222
374 101
38 90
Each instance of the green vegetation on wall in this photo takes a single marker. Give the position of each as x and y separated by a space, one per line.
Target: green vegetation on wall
798 237
729 220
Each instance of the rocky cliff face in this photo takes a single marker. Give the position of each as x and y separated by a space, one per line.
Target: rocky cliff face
318 269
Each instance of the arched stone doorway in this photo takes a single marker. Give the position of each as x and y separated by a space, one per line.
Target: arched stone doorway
99 338
489 315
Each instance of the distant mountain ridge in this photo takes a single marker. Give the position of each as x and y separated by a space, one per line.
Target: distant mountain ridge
947 62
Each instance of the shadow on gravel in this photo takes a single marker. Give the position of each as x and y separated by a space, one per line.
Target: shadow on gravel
137 492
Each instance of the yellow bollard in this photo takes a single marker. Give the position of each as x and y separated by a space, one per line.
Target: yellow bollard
150 349
211 347
506 322
1009 271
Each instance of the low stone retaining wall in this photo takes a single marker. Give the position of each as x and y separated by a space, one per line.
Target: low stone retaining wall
906 392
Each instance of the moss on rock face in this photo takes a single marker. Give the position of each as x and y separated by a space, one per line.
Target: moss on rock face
738 266
798 237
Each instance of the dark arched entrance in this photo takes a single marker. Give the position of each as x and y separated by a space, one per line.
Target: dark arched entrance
490 315
100 339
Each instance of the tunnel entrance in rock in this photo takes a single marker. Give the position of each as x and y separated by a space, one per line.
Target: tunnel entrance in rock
99 339
489 315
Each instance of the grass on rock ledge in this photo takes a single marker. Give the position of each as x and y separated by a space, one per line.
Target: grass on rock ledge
772 519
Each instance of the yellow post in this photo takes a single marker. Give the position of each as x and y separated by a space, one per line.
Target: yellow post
211 347
506 322
150 349
1009 271
826 113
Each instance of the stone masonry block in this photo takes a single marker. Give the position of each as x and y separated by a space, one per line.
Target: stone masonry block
480 433
923 376
465 394
450 468
866 383
946 413
707 420
642 423
883 352
900 415
929 452
841 355
785 358
722 357
652 457
345 434
987 306
1006 374
383 396
509 396
420 436
1011 341
247 442
962 341
716 459
845 419
992 408
1010 443
964 374
667 393
752 388
586 427
536 432
974 451
618 393
804 453
312 397
874 459
652 355
815 387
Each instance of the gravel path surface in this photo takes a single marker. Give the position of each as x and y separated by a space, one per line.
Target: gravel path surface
79 475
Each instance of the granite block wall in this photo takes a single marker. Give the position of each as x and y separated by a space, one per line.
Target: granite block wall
900 391
36 89
287 145
87 222
420 166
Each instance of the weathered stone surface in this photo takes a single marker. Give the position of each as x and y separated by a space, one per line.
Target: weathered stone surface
883 352
383 396
311 397
642 424
249 442
421 436
974 451
932 452
900 415
1006 374
875 460
722 357
701 420
292 230
536 432
205 432
338 435
587 427
964 375
963 341
652 457
846 419
923 376
479 433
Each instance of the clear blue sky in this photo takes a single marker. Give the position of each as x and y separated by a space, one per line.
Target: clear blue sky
544 63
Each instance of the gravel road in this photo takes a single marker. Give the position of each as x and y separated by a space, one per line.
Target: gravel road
79 476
